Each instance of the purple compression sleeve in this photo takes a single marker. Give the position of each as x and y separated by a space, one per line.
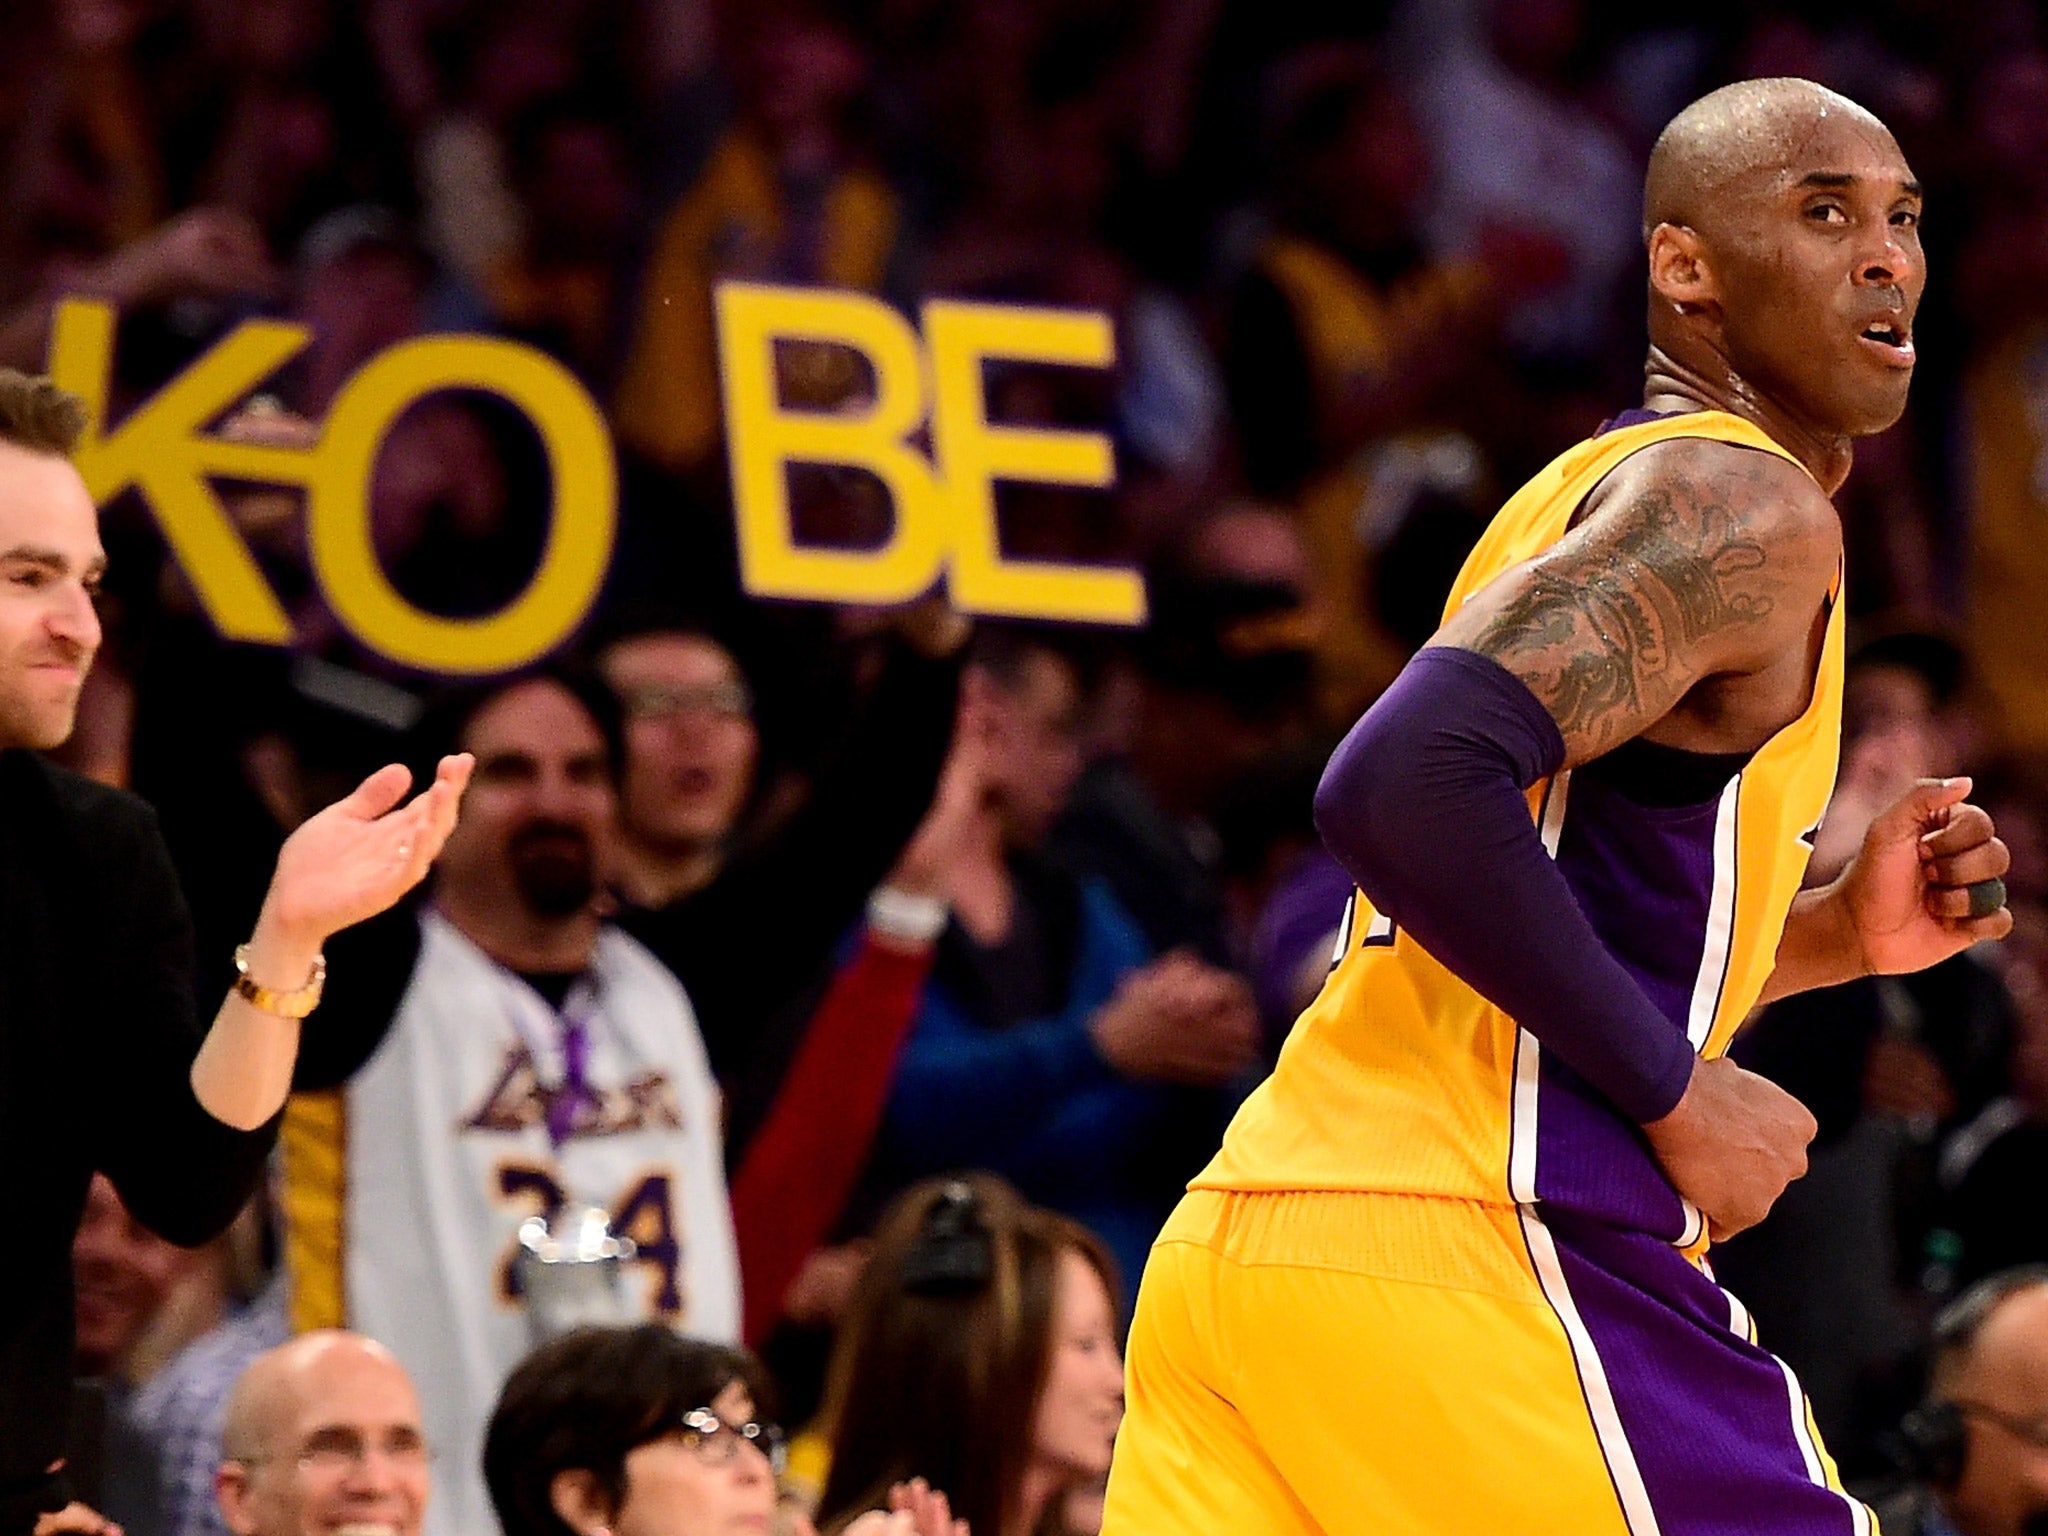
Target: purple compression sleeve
1423 803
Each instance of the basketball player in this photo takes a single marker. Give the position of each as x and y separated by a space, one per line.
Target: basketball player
1447 1274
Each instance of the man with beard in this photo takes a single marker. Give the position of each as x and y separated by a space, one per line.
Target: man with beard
539 1060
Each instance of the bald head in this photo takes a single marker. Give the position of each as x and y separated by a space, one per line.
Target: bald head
1783 227
1736 137
279 1381
320 1434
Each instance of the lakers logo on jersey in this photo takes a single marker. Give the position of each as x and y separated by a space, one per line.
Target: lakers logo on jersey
519 1100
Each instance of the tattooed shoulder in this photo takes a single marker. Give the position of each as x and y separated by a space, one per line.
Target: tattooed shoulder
1682 575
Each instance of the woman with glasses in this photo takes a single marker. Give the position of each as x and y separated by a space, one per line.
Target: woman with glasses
642 1432
980 1354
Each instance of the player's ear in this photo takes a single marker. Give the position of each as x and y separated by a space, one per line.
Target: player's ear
1679 272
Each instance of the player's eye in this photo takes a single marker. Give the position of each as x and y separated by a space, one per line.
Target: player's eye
1906 218
1827 213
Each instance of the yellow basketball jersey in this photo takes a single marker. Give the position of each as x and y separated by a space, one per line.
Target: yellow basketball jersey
1401 1078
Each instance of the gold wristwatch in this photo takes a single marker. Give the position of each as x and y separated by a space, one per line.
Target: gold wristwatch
295 1004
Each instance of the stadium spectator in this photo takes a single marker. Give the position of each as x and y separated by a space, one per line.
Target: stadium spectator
792 1186
1224 678
642 1432
361 283
1050 1045
163 1335
184 1117
568 166
324 1433
537 1059
699 891
122 1275
1977 1446
981 1355
1499 96
183 1409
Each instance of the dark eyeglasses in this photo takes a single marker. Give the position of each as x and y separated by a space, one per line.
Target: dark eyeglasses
717 1443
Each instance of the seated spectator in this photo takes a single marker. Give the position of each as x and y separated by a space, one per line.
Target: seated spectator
1049 1045
183 1409
153 1320
981 1356
641 1432
520 1055
324 1434
1977 1446
122 1276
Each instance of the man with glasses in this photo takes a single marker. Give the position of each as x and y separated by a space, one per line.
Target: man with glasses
711 901
323 1434
1978 1445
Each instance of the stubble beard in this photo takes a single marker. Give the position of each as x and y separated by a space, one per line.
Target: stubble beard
35 724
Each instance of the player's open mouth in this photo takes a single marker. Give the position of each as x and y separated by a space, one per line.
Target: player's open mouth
1891 339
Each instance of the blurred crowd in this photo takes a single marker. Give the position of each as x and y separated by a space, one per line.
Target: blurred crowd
881 976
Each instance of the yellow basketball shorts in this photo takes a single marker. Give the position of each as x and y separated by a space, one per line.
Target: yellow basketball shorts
1349 1364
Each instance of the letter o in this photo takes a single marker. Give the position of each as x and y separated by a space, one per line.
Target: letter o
581 521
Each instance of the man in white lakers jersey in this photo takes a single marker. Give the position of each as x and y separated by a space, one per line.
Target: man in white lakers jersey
539 1058
1447 1274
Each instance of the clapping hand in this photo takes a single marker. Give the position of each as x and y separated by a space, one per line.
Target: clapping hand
1179 1020
360 855
915 1509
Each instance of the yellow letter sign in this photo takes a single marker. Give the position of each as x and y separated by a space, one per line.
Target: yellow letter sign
944 508
162 450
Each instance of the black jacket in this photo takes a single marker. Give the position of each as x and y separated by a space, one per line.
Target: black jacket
98 1028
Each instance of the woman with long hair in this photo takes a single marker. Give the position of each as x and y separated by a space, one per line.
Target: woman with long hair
980 1354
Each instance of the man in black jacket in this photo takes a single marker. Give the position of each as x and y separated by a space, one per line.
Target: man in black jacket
103 1066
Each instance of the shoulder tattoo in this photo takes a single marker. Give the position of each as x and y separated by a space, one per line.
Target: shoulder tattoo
1606 629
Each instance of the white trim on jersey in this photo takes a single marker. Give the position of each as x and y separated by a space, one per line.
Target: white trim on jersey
1528 1050
1718 948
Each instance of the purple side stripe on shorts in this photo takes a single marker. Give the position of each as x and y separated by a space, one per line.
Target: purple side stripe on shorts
1717 1426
